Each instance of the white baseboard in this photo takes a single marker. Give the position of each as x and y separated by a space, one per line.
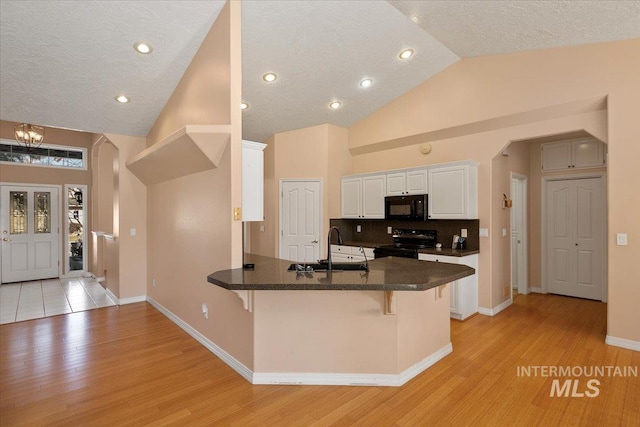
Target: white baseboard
124 301
537 290
624 343
496 310
237 366
294 378
132 300
393 380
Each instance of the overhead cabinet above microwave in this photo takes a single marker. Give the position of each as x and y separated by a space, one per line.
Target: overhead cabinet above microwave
407 183
452 189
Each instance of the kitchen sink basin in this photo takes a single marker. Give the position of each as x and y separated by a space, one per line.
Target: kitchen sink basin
336 266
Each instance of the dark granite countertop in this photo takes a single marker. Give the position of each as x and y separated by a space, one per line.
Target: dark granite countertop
385 274
443 251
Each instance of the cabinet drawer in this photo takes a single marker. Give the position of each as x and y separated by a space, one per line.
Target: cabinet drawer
439 258
352 250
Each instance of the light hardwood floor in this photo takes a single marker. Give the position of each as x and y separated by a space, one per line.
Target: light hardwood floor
129 365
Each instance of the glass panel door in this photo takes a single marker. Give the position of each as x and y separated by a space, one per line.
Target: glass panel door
18 208
42 212
76 220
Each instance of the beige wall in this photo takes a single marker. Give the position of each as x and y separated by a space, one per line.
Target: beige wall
318 152
54 176
478 105
191 231
125 208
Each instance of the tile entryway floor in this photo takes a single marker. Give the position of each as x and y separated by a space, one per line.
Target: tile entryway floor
43 298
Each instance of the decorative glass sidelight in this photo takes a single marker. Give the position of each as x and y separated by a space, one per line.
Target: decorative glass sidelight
18 207
42 212
76 221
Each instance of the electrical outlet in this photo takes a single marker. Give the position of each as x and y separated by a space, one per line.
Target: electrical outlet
205 311
621 239
132 232
484 232
358 229
463 232
262 228
504 232
389 230
153 282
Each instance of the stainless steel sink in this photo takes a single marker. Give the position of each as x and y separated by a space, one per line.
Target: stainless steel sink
336 266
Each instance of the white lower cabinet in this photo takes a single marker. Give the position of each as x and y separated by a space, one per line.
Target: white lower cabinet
464 292
340 253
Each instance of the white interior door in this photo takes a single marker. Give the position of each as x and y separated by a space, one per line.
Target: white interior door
519 265
30 233
575 218
301 219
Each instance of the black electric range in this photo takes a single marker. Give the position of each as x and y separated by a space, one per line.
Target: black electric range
407 242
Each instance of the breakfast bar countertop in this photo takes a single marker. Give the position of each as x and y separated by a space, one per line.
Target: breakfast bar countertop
385 274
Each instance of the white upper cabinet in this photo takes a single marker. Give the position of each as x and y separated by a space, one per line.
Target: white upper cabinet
580 153
409 182
253 181
363 196
453 191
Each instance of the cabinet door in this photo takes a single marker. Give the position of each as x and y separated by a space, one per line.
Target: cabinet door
339 257
351 197
396 184
448 192
373 192
556 156
252 181
416 182
587 153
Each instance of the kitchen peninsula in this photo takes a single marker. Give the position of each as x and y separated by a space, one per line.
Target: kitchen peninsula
335 328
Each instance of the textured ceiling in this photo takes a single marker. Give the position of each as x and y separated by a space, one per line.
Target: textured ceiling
62 62
321 50
478 28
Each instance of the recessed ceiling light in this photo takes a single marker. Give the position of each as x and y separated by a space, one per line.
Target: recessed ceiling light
244 106
406 54
143 48
366 82
122 99
269 77
335 105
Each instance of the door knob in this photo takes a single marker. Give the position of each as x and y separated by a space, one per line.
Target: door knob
314 241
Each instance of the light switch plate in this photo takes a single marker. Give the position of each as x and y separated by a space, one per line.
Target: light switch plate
358 229
484 232
504 232
389 230
621 239
132 232
463 232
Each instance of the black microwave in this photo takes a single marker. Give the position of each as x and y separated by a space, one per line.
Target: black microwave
406 208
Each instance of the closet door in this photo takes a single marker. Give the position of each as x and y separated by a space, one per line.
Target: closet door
575 237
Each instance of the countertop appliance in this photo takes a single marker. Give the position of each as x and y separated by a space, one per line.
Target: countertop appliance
407 242
406 208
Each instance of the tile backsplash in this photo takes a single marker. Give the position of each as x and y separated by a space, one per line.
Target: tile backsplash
375 230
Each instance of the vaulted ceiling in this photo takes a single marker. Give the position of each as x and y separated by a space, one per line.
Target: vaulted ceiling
63 62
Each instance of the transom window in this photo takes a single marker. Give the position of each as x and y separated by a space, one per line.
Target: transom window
55 156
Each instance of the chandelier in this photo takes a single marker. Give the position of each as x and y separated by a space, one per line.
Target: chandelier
31 136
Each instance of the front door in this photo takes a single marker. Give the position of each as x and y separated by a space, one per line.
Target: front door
30 235
301 220
575 217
